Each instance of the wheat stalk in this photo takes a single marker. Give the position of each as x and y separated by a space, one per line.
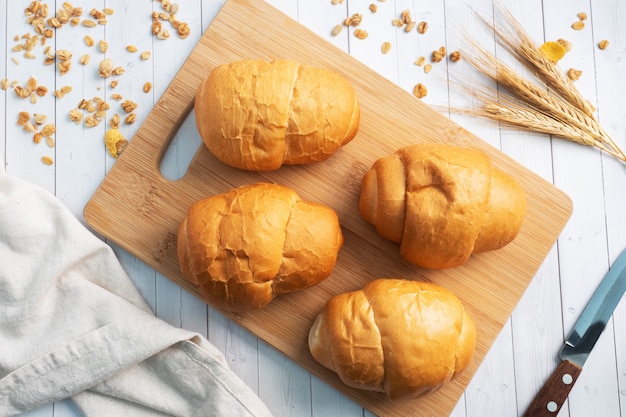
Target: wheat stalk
519 44
535 96
507 111
556 107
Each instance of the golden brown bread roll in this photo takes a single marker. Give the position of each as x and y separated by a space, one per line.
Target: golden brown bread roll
400 337
246 246
257 115
442 203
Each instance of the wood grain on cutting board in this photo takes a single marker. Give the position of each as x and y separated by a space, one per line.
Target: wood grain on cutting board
140 210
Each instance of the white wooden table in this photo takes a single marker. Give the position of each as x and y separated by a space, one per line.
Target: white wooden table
525 352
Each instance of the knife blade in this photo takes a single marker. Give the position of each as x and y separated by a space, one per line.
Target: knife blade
580 342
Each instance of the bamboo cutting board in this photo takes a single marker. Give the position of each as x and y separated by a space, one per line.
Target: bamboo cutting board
490 284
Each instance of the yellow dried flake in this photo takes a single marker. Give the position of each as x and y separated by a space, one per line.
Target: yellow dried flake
554 51
115 142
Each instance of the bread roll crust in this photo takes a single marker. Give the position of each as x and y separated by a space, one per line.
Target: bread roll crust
400 337
246 246
257 114
441 203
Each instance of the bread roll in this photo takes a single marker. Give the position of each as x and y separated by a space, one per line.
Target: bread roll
257 115
400 337
245 246
442 203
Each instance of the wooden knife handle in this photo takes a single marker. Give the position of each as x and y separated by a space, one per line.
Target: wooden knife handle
554 392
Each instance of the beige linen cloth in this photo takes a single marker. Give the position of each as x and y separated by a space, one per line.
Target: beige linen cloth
72 324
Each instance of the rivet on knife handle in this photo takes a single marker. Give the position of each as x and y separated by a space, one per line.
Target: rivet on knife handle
554 392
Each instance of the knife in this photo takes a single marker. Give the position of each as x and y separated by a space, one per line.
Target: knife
580 342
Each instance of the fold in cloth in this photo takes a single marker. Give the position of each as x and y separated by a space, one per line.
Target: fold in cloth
72 324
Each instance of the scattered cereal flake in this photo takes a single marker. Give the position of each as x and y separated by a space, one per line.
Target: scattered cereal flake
574 74
183 30
336 30
554 51
420 90
48 130
603 44
129 106
386 47
47 160
578 25
566 44
22 118
354 20
76 116
130 119
361 34
39 118
438 55
422 27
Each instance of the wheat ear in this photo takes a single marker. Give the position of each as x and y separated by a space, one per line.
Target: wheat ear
520 45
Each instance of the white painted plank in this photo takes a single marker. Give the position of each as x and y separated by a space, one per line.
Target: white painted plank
326 401
536 322
379 30
284 386
239 347
583 245
492 390
610 67
309 12
80 151
3 75
22 155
